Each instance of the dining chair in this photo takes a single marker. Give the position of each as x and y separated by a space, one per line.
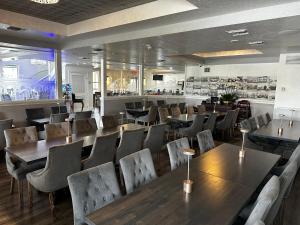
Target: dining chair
264 201
191 132
150 118
205 141
57 130
163 114
268 118
93 189
4 125
137 169
253 124
245 124
33 114
84 126
225 124
148 104
83 115
131 141
59 109
175 111
190 110
17 169
129 105
201 109
109 122
138 105
234 121
210 122
260 121
182 107
58 118
177 158
103 151
62 161
161 102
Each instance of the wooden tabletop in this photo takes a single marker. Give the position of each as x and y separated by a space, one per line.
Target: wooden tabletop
36 151
220 190
291 134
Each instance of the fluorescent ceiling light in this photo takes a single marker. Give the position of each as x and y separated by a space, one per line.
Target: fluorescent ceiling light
10 59
256 42
234 41
238 32
228 53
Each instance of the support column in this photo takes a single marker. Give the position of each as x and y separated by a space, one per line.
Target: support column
103 76
141 79
58 73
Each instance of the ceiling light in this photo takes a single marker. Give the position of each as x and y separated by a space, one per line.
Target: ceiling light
234 41
48 2
10 59
228 53
236 31
256 42
240 34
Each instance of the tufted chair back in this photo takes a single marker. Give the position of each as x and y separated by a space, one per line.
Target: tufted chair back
234 117
92 189
196 126
175 111
20 136
131 141
57 130
211 122
190 110
205 141
182 107
152 114
84 126
268 117
260 121
58 118
83 115
201 109
138 169
253 123
245 124
109 122
4 125
103 151
163 114
62 161
155 138
177 158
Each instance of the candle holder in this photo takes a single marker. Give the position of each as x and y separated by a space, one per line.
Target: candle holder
291 122
280 129
188 183
69 137
242 150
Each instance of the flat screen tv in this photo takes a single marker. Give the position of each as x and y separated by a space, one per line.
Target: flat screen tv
158 77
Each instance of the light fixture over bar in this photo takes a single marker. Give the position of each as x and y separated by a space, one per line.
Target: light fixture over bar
228 53
48 2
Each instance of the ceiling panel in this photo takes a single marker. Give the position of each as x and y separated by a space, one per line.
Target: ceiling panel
69 11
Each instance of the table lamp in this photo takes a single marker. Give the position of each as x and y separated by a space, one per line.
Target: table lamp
242 150
69 136
291 122
122 117
187 184
280 129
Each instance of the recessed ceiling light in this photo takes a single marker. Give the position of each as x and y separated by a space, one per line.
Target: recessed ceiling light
10 59
46 1
236 31
234 41
228 53
256 42
240 34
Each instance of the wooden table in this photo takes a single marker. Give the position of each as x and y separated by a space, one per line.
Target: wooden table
223 184
36 151
290 134
138 112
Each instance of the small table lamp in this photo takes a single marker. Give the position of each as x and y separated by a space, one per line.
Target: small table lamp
280 129
242 150
291 122
69 136
187 184
122 117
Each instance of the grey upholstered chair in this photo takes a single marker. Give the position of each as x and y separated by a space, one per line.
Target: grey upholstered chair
131 141
211 122
175 111
253 123
148 104
191 132
103 151
182 107
268 118
62 161
177 158
58 118
245 124
109 122
57 130
190 110
93 189
84 126
260 121
4 125
201 109
17 169
150 117
138 105
205 141
234 120
83 115
163 114
265 201
138 169
225 124
129 105
161 102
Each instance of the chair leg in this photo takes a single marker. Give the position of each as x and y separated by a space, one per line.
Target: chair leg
51 202
29 194
121 177
12 185
20 192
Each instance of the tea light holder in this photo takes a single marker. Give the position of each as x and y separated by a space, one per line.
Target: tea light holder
291 122
188 183
242 150
280 129
69 137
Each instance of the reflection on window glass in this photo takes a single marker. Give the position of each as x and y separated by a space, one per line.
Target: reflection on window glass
31 77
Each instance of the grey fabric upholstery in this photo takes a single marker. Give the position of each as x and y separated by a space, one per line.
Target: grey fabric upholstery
109 122
148 104
163 114
103 151
58 118
286 181
131 141
201 109
196 127
177 158
259 222
211 122
57 130
138 105
268 118
161 102
234 117
62 161
19 136
226 122
59 110
190 110
245 124
129 105
260 121
155 138
253 123
84 126
205 141
175 111
150 117
4 125
182 107
138 169
92 189
83 115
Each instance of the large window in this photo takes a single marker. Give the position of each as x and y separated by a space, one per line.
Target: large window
10 72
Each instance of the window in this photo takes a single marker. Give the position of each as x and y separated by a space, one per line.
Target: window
10 72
